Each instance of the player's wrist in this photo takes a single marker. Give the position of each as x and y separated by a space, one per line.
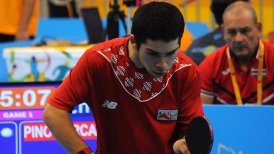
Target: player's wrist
86 150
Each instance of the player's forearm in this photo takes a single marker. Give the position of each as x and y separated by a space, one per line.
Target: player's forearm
61 126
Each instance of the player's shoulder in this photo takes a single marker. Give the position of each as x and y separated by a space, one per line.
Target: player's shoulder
184 64
182 58
184 68
110 45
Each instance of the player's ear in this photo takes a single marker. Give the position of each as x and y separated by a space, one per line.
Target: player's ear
132 41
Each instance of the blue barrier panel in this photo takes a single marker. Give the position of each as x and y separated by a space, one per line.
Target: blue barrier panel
241 129
71 29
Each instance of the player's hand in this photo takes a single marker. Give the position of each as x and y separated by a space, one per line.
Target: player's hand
21 35
180 147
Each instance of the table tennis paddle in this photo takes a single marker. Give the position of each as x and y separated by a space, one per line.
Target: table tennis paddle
199 136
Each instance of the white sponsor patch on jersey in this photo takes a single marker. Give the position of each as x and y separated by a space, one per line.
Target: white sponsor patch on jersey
167 114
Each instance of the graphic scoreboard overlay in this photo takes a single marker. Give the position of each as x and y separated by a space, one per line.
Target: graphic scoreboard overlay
21 127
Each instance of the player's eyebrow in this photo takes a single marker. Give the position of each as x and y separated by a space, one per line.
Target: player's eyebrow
156 52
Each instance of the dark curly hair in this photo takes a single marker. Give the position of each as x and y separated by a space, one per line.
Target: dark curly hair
157 21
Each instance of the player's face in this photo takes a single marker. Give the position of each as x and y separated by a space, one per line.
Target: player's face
241 34
157 56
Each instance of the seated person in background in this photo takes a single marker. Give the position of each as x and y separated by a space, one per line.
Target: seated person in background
203 46
18 19
141 90
243 70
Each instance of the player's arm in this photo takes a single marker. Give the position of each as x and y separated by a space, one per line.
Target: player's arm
61 126
22 31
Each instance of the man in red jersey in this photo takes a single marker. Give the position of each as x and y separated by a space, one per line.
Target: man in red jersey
240 72
143 93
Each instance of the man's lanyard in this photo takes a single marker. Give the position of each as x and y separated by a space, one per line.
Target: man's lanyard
259 77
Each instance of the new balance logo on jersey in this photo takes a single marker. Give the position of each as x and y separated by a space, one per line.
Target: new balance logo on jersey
109 104
167 115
